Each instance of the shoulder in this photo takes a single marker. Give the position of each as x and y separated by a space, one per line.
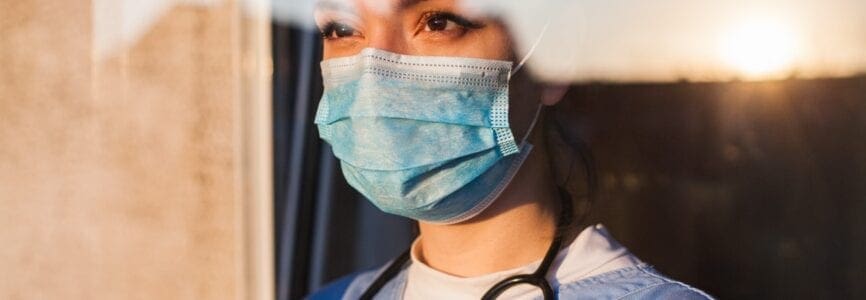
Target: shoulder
639 282
334 289
347 287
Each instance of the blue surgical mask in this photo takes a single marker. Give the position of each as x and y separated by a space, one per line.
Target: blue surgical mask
422 137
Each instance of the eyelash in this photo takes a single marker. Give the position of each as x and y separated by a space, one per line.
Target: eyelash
459 20
331 27
327 31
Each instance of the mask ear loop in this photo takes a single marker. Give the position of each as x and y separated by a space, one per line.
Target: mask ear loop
520 66
531 50
532 125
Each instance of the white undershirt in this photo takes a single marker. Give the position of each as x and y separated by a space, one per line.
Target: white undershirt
593 252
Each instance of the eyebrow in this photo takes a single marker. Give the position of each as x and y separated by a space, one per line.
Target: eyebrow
404 4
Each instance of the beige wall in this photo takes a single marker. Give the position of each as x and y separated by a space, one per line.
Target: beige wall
139 173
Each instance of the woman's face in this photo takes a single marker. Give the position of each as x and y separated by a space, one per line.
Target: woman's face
412 27
424 28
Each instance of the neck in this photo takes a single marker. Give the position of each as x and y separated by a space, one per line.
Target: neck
514 231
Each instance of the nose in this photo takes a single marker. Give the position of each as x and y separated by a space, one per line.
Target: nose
389 36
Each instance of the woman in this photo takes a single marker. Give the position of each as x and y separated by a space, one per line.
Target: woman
426 109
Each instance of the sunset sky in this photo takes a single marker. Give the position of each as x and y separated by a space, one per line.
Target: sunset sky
713 40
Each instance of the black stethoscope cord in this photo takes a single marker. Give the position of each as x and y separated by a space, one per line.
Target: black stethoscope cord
392 270
537 278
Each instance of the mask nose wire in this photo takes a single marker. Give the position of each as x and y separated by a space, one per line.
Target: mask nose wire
520 66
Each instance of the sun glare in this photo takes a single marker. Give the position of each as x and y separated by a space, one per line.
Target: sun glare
759 49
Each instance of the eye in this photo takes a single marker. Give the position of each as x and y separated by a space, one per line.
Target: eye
443 21
334 30
439 23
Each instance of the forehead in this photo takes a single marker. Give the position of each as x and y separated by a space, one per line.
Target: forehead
377 6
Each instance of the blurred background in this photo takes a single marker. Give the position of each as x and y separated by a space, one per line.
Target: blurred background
729 137
135 150
165 149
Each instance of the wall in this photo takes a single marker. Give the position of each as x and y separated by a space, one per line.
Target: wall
134 171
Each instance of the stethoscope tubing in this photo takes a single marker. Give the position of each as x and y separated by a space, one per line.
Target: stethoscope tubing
537 278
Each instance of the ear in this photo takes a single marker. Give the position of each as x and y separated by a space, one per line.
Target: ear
553 93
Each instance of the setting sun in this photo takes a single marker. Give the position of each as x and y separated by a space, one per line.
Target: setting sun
760 49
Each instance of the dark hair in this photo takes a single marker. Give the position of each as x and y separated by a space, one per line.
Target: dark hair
572 164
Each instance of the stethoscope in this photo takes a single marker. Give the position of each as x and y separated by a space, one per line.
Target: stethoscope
536 279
